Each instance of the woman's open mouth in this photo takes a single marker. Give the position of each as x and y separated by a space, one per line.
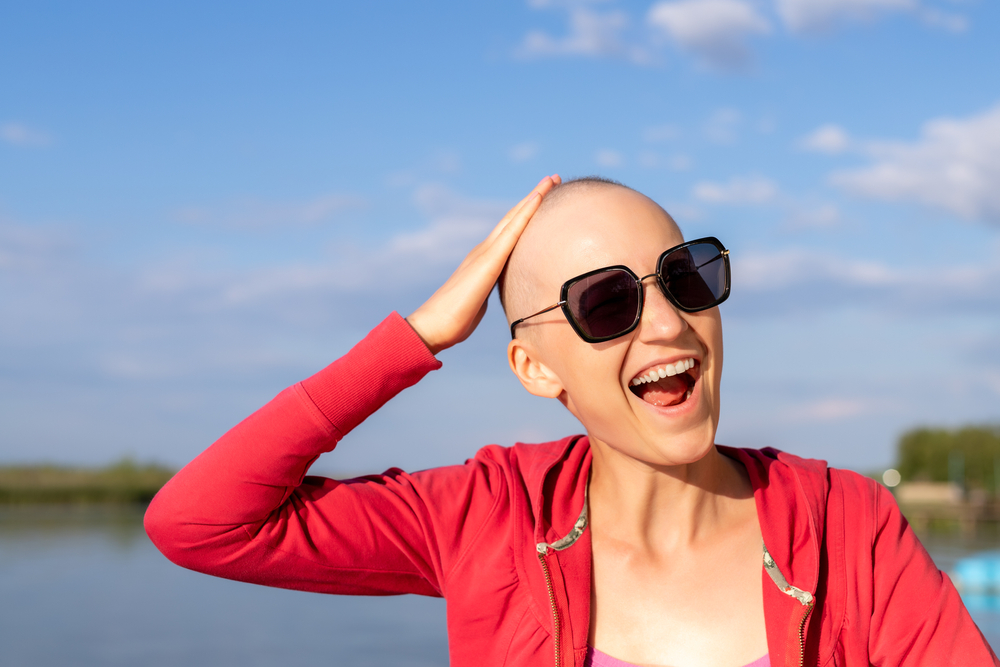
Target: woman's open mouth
667 384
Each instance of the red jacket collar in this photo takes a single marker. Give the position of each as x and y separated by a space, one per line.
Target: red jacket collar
790 493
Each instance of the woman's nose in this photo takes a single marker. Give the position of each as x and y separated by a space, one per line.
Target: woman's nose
660 320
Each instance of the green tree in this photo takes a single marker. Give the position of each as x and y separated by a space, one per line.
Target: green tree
936 455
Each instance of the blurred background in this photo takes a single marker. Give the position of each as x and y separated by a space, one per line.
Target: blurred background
202 203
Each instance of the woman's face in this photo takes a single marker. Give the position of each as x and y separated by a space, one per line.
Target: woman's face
671 421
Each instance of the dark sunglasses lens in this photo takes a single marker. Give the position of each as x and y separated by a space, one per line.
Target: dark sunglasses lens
604 304
695 276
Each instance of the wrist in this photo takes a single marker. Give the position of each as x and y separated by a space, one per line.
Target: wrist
414 321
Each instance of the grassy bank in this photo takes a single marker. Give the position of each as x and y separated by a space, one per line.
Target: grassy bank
122 482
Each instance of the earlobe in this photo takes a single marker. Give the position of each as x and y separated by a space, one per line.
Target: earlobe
536 377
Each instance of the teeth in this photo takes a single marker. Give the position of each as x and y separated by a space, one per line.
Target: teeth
666 370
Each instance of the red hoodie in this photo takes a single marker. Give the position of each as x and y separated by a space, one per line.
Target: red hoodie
503 537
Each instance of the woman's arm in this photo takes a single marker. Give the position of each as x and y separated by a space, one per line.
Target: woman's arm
244 509
918 617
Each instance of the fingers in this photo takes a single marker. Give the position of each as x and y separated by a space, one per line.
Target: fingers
451 314
512 230
542 189
522 214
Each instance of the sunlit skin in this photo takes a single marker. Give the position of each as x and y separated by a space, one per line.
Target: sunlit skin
676 543
603 226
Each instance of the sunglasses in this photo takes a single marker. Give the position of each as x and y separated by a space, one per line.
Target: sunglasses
607 303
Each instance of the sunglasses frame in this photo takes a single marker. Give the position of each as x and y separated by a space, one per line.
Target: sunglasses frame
564 291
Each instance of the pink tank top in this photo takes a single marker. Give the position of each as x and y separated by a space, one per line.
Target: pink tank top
597 659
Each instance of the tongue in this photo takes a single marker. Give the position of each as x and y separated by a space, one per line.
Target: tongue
666 391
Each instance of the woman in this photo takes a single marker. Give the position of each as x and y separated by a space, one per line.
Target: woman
643 542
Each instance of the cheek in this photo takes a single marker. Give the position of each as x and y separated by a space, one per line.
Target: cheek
592 388
709 332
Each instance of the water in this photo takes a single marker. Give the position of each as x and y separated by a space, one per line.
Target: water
84 586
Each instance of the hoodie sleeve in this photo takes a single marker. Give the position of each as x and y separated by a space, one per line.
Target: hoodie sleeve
244 509
918 617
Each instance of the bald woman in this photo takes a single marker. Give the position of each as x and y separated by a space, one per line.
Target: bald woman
640 542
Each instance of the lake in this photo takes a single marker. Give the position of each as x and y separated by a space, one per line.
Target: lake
84 586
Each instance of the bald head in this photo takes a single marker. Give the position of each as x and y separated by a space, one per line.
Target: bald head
575 227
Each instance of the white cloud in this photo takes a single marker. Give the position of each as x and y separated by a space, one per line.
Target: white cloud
767 124
406 260
715 31
684 212
440 202
826 139
253 213
798 278
446 162
653 160
816 15
954 165
523 152
722 126
456 224
831 409
609 158
546 4
590 33
739 190
649 160
19 134
817 217
794 267
23 248
409 259
805 16
679 162
954 23
659 133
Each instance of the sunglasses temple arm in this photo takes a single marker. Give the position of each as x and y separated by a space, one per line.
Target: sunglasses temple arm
717 257
541 312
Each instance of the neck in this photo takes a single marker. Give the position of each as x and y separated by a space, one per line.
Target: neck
665 507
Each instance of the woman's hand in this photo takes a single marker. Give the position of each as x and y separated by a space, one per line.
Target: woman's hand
455 310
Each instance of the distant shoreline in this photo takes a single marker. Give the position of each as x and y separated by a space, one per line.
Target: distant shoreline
121 482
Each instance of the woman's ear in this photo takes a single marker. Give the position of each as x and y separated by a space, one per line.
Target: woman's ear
536 377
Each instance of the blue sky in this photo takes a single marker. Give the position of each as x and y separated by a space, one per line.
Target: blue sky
202 203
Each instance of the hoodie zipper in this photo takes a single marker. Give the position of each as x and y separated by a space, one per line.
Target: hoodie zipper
805 598
543 551
802 633
556 627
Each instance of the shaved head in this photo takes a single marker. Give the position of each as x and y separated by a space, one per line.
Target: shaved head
588 225
518 284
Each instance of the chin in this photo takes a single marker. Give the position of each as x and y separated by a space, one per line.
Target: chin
658 449
684 448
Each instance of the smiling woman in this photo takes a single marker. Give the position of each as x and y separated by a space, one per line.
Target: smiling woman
642 542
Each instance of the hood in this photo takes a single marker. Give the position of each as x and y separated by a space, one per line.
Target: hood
791 496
